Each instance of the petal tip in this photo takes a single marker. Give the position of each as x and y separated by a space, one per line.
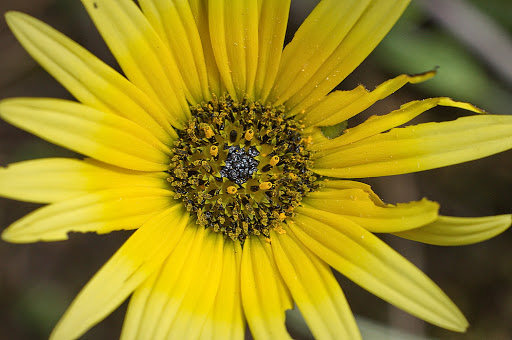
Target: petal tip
14 18
13 234
9 15
509 218
8 235
421 77
462 327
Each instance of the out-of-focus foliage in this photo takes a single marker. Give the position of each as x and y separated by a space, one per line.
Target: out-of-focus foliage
418 43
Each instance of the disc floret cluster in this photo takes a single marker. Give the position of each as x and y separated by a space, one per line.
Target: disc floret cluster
240 167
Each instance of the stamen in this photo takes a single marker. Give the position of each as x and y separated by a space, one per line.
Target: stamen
249 134
208 132
265 185
214 150
274 160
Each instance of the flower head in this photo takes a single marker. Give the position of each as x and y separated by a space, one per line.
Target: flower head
211 146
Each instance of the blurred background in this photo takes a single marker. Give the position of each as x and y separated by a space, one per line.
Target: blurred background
471 44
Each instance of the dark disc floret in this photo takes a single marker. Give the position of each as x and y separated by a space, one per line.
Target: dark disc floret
239 164
240 167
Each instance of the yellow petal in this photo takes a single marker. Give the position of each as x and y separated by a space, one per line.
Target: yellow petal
369 262
101 212
142 55
340 106
174 23
272 29
330 44
51 180
226 320
377 124
89 79
199 298
200 12
261 298
457 231
137 304
359 206
234 35
314 289
134 262
282 289
313 43
145 305
106 137
419 147
158 305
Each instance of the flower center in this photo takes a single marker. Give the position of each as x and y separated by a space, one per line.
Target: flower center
240 167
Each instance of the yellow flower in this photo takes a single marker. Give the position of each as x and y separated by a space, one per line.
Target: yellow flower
211 148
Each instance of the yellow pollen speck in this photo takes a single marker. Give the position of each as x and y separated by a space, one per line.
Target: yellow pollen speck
232 190
282 216
307 141
249 134
274 160
214 150
265 185
208 132
280 230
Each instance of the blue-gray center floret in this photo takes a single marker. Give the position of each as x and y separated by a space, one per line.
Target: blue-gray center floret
240 164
